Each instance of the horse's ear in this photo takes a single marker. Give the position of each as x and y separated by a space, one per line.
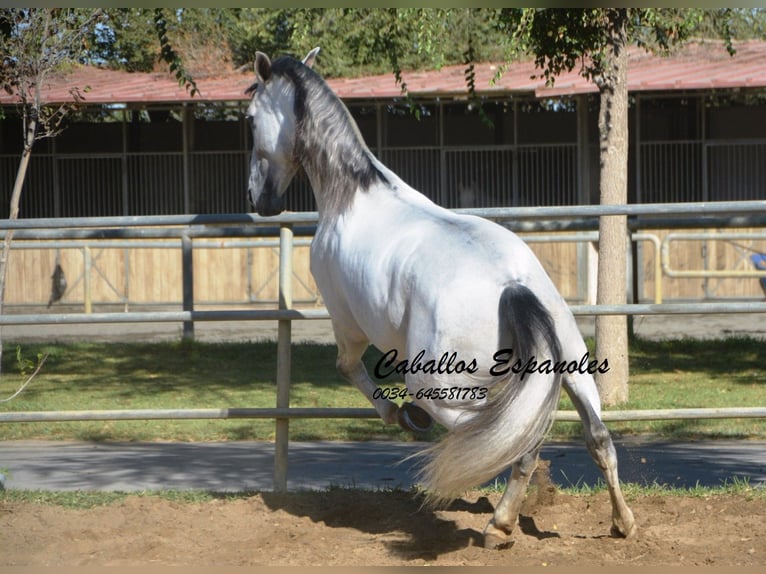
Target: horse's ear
308 61
262 66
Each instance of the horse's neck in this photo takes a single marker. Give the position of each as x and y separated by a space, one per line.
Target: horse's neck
336 176
329 187
340 166
334 156
379 197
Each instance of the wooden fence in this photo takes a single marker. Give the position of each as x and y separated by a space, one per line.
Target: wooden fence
226 273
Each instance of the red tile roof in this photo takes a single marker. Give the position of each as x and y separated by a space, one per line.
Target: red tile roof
696 67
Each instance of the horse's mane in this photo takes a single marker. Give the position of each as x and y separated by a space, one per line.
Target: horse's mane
328 136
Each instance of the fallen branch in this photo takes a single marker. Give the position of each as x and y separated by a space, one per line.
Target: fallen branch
29 380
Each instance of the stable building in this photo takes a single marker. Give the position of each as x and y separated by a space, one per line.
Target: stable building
142 146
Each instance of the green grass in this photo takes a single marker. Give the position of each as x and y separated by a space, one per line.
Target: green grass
85 499
83 376
182 375
690 373
633 491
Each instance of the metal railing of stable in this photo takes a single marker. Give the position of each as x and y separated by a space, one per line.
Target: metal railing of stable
286 227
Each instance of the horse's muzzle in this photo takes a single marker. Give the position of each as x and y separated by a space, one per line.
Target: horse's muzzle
269 204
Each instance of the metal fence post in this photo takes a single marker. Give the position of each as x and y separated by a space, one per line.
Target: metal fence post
284 335
187 272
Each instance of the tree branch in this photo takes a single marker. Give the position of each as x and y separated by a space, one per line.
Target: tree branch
29 380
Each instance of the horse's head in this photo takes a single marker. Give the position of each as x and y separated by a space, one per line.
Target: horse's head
271 114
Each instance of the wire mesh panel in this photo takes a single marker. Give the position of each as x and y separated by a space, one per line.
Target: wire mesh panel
155 184
737 171
671 172
687 151
419 167
90 186
37 197
479 178
547 175
219 182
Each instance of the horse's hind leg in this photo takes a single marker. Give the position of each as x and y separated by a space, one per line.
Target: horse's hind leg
582 390
498 532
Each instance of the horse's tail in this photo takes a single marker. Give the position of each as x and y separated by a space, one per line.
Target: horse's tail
518 413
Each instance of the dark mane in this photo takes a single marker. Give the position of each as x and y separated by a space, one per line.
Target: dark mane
328 141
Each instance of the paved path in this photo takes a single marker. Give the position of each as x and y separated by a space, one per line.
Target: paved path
237 466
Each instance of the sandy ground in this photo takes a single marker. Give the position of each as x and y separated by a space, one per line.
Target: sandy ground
383 528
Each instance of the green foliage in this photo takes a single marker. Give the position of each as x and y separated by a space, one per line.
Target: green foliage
562 39
362 41
259 29
40 40
358 41
25 365
170 56
354 41
126 41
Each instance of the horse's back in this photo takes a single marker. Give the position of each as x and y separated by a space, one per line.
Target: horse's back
408 272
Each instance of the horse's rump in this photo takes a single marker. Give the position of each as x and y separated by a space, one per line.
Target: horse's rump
519 411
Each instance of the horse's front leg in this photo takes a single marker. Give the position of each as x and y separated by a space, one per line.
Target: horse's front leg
497 533
349 364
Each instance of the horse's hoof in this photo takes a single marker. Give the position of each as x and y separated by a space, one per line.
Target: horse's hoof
622 532
497 542
412 418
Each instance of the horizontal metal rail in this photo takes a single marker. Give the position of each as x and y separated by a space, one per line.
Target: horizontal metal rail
696 209
188 414
166 316
161 232
172 243
705 273
308 230
321 313
670 308
349 413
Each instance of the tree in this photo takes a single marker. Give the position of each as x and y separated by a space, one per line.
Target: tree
597 39
36 42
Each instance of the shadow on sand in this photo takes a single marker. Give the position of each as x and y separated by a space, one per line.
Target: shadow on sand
409 528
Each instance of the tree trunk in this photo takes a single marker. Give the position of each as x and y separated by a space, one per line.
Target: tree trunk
612 330
21 173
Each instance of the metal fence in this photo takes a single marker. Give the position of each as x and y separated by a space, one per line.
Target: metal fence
163 183
703 171
286 227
